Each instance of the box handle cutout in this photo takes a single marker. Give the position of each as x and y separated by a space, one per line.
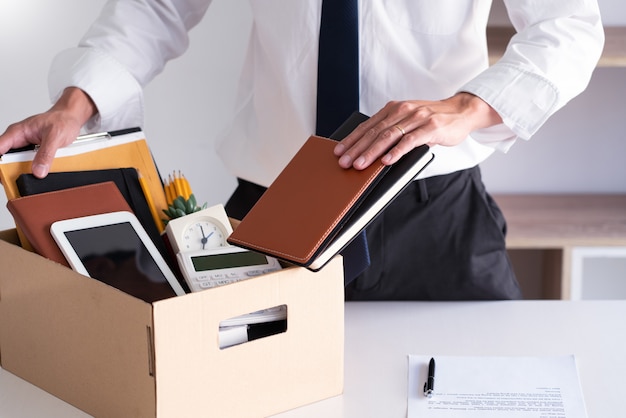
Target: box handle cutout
252 326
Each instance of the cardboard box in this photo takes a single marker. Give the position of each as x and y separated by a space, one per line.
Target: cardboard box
112 355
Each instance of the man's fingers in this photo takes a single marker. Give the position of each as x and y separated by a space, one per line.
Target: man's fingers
42 163
52 140
13 137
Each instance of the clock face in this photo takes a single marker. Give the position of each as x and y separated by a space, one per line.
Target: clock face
202 230
202 234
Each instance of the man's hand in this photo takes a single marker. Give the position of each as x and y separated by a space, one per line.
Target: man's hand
51 130
401 126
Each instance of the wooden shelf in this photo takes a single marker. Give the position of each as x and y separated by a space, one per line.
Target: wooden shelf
614 54
552 225
555 221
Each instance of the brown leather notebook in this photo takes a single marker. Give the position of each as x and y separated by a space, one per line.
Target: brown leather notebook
315 208
35 214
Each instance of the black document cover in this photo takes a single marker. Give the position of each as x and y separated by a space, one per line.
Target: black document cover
126 180
314 208
377 198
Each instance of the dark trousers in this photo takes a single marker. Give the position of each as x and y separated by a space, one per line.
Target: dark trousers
441 239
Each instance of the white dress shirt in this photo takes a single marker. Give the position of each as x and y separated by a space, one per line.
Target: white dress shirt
409 49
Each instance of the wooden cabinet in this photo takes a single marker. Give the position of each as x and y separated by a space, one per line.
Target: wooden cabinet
543 230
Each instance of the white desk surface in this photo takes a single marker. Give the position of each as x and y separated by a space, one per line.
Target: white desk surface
380 335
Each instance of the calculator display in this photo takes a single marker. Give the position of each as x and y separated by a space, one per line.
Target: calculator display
218 266
229 260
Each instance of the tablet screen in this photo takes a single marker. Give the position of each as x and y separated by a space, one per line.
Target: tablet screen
114 254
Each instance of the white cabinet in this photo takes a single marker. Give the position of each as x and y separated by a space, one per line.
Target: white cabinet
598 273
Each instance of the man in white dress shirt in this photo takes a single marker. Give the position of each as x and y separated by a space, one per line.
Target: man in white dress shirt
424 79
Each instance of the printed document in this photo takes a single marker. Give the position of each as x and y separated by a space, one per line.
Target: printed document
494 387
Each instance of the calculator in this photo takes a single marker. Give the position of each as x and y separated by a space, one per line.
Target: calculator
219 266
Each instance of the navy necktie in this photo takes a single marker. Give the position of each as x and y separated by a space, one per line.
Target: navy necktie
338 65
338 95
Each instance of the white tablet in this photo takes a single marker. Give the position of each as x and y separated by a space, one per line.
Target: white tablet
115 249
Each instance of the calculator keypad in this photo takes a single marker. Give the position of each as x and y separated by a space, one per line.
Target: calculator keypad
210 280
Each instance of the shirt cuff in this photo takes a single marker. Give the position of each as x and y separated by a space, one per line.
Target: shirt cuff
115 92
523 99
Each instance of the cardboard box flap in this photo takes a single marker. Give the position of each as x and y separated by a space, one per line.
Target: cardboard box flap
295 364
56 332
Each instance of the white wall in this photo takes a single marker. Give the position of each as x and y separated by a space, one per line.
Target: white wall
580 150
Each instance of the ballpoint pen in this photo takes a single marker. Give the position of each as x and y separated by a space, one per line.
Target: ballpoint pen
429 385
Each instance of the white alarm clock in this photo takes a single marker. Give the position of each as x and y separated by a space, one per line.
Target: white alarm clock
205 259
202 230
